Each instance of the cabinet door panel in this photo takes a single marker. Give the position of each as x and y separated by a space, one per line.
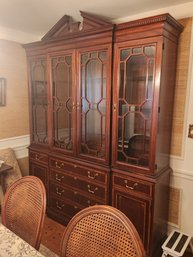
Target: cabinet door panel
39 101
133 103
40 172
137 210
94 102
63 102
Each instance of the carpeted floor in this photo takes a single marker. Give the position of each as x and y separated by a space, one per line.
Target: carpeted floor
52 236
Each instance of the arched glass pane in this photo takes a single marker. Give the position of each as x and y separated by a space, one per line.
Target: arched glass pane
136 80
93 103
62 102
39 101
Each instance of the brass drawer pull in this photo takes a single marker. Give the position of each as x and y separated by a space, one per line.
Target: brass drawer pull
58 206
59 192
59 165
91 176
38 157
59 178
92 191
130 187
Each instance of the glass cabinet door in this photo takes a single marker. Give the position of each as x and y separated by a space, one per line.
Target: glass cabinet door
62 101
39 101
134 104
94 104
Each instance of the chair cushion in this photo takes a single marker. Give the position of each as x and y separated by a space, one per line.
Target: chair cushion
8 156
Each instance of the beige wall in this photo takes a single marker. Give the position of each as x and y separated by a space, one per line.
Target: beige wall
14 118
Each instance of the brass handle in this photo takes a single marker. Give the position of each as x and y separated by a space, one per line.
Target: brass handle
59 165
92 191
58 206
114 107
59 178
59 192
130 187
73 105
38 157
91 176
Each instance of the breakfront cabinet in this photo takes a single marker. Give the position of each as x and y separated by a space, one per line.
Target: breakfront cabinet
101 98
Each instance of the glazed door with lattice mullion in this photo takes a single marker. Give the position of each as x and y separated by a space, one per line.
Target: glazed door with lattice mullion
63 102
93 107
135 72
39 100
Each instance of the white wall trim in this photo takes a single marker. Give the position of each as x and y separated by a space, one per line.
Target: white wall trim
185 174
18 144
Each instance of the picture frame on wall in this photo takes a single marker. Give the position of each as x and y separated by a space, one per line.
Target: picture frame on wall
2 92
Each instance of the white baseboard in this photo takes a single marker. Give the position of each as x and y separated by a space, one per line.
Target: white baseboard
18 144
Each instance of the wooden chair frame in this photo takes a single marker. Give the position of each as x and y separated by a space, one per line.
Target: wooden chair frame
23 209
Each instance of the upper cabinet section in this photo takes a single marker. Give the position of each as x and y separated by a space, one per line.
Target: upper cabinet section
144 78
75 78
72 88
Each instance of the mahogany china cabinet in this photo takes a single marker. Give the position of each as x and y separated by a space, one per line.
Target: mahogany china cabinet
101 98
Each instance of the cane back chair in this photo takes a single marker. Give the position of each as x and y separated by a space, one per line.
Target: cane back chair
23 209
101 231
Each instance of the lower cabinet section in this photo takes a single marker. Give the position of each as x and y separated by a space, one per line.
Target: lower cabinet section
74 185
137 209
144 202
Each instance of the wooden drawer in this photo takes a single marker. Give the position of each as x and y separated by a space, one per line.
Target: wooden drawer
38 157
132 184
63 207
77 183
87 172
72 195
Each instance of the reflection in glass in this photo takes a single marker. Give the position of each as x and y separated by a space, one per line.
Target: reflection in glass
136 68
136 76
62 101
93 103
39 101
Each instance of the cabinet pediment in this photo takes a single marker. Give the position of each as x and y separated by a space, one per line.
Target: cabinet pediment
66 25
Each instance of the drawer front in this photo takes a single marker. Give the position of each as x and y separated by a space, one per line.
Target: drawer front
73 195
63 208
87 172
77 183
39 157
131 184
